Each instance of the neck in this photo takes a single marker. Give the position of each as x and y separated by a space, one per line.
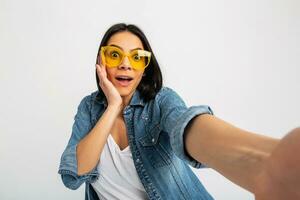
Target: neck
125 102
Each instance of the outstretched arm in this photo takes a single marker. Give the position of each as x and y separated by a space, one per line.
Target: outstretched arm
237 154
267 167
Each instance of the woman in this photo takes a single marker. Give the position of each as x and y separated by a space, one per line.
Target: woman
134 139
121 144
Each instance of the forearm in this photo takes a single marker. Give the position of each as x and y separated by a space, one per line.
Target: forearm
235 153
90 147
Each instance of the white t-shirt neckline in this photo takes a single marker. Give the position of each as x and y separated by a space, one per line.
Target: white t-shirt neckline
118 178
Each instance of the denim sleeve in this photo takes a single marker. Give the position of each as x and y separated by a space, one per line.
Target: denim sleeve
68 162
175 116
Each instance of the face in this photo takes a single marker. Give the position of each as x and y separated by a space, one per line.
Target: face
127 42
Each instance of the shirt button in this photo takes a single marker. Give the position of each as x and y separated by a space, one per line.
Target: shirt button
152 140
137 160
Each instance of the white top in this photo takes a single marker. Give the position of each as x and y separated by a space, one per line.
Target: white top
118 178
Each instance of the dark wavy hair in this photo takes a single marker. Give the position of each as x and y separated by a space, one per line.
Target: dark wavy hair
152 81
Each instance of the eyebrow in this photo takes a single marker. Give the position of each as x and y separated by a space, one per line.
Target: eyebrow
123 49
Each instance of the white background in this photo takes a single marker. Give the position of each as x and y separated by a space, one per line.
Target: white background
239 57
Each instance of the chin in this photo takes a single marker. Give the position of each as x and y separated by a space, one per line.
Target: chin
125 91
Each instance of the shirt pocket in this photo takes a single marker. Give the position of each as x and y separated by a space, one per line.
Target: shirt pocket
156 147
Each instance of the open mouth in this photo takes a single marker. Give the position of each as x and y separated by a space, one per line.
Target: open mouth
124 80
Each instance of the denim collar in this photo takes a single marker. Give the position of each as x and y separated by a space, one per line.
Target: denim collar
136 99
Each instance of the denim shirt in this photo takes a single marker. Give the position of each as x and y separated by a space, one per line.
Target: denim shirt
155 135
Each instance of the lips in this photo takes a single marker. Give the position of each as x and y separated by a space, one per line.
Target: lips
124 80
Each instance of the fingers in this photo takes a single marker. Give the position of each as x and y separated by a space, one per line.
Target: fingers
99 61
101 72
98 71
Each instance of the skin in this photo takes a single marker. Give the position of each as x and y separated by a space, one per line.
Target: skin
237 154
267 167
280 178
253 161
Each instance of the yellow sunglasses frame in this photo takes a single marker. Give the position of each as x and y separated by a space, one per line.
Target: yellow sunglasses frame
143 52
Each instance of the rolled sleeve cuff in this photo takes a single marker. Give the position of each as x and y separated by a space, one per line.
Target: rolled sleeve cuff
177 134
68 170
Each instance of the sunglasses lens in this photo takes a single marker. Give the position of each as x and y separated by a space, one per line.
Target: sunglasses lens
113 57
139 59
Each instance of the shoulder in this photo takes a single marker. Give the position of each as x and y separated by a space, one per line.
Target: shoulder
168 96
89 99
165 92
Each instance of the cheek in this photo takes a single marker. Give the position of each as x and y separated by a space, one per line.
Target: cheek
139 78
109 74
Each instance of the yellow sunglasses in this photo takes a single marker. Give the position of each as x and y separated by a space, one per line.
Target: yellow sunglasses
113 56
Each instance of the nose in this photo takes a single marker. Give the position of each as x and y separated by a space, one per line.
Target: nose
125 64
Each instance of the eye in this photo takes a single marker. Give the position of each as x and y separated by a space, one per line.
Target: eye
114 55
136 57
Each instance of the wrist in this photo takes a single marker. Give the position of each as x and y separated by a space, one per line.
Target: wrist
114 107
